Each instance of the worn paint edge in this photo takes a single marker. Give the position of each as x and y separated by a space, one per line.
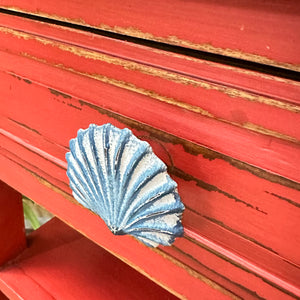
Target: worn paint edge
171 39
284 198
223 66
164 99
236 261
206 47
153 71
195 149
189 58
223 225
189 256
211 188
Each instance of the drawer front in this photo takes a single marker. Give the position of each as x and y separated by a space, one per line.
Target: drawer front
229 136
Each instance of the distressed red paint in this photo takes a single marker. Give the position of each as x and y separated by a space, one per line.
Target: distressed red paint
230 138
214 26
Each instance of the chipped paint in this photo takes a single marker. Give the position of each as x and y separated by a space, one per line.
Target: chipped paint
226 67
25 126
171 39
195 274
238 262
206 47
211 188
190 257
172 101
284 198
222 224
58 93
148 70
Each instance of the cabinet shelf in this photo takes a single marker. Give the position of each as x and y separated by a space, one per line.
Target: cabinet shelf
60 263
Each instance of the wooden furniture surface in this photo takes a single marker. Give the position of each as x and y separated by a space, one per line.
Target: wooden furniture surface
212 86
60 263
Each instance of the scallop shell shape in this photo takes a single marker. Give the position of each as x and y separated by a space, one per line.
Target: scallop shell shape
117 176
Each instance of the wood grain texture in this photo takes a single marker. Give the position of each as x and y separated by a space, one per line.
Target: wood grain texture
143 259
243 29
230 139
37 160
233 121
12 231
60 263
250 202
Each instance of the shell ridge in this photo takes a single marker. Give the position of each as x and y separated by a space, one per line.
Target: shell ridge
170 223
116 142
125 184
96 171
81 185
150 216
144 175
88 160
81 163
131 196
99 154
78 194
177 231
110 190
131 166
147 199
136 231
148 204
106 143
156 238
80 178
125 134
101 157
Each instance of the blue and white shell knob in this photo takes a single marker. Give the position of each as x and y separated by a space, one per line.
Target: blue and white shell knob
118 177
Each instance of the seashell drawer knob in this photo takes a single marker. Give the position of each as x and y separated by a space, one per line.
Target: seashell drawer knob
118 177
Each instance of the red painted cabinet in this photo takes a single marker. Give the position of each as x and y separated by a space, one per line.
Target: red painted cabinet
212 86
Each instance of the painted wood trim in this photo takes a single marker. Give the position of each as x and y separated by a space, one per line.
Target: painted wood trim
39 176
234 122
245 30
213 188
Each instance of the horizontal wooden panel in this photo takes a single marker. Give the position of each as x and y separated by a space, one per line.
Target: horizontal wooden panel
203 179
273 87
248 126
235 278
38 149
243 29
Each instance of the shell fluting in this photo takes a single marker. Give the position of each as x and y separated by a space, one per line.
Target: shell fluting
118 177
